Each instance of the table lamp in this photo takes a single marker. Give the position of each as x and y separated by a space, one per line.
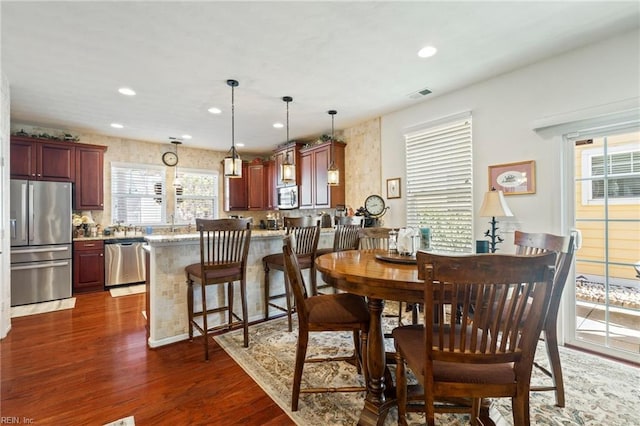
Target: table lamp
494 205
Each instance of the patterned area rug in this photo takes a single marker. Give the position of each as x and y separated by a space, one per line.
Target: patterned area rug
127 421
598 391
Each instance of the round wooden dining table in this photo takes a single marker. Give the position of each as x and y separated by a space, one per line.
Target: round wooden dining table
378 276
361 272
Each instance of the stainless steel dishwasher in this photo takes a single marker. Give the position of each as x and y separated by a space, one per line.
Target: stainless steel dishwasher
124 261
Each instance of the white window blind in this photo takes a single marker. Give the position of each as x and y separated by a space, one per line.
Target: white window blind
197 197
439 184
137 194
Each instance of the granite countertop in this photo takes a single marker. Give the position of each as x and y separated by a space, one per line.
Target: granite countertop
255 233
177 237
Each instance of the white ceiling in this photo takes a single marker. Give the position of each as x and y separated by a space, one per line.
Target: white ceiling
66 60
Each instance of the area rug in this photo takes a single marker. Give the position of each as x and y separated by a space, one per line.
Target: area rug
127 421
128 290
43 307
598 391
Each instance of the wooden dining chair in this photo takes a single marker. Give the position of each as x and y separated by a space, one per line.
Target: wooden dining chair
329 312
346 237
564 246
224 247
486 352
306 234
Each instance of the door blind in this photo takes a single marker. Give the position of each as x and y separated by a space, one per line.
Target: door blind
439 184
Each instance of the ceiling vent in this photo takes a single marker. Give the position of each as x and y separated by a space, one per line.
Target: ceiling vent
419 94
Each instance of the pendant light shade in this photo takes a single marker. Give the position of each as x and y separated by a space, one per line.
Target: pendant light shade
177 183
288 171
232 162
333 174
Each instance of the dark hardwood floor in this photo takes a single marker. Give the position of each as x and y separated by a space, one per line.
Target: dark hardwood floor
91 365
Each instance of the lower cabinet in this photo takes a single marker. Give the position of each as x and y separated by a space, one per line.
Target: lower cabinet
88 266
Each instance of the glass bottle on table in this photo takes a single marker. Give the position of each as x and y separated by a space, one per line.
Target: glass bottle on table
393 241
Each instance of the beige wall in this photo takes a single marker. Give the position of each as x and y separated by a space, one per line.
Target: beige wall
363 162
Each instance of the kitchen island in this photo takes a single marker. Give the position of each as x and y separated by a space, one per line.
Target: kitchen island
166 282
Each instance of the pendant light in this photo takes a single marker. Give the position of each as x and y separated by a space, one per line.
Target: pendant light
333 174
288 171
177 182
232 162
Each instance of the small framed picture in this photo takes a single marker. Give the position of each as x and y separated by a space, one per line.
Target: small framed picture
514 178
393 188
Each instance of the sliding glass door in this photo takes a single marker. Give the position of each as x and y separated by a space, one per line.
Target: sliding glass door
606 212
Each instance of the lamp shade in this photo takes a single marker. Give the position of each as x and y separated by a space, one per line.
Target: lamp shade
494 205
333 175
288 171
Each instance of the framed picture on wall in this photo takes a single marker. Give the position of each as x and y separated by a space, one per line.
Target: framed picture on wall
393 188
514 178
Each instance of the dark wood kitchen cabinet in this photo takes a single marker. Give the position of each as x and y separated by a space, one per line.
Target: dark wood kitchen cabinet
36 159
88 266
314 163
256 186
271 189
89 188
290 151
235 191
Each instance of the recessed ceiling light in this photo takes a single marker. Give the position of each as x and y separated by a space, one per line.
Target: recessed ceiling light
117 126
127 91
186 136
278 125
427 52
214 110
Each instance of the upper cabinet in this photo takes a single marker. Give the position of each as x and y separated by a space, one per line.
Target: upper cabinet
82 164
36 159
235 191
314 163
256 186
89 188
290 152
272 193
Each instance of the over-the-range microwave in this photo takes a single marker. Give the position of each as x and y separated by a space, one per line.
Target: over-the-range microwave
288 198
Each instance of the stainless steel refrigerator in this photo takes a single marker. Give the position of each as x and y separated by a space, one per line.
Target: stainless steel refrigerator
40 227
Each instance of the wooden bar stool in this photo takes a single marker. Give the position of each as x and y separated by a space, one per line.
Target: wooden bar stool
346 237
224 247
325 313
306 234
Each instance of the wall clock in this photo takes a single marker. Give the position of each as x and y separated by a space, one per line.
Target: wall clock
374 205
170 158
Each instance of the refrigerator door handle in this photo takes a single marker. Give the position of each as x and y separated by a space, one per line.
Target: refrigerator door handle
31 212
39 250
13 228
23 214
38 266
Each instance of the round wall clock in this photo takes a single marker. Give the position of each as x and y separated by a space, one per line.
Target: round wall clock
170 158
374 205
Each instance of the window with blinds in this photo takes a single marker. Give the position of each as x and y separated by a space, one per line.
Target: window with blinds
621 173
137 194
439 183
197 197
